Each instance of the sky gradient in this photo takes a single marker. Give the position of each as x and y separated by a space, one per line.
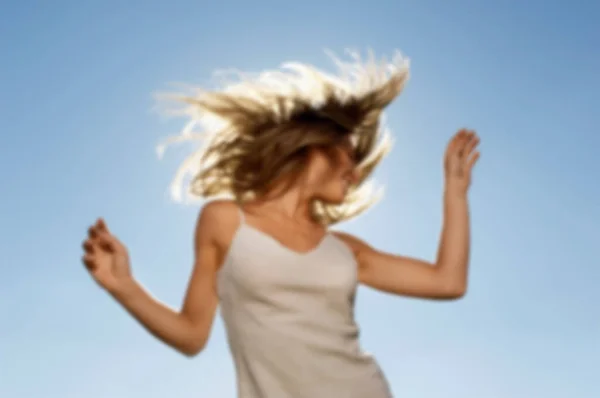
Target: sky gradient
78 141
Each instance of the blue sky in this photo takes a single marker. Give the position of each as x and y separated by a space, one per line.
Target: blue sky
78 141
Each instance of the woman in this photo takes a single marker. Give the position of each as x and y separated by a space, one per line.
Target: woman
292 151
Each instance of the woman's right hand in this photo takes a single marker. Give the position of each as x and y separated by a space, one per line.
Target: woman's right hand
106 258
188 329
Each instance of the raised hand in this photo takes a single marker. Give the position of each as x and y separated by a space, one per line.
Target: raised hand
106 258
461 155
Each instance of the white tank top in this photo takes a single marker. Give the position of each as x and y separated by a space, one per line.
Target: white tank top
290 323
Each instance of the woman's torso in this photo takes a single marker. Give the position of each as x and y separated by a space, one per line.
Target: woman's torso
289 317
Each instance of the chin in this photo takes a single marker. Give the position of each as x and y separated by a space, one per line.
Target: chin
333 193
336 201
334 198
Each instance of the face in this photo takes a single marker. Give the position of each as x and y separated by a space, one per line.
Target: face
331 172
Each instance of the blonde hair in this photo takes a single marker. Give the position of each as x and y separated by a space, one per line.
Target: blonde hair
259 128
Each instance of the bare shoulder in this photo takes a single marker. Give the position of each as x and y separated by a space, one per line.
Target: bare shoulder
220 211
217 222
357 245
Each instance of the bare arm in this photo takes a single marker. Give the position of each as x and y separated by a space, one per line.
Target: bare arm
186 330
447 277
444 279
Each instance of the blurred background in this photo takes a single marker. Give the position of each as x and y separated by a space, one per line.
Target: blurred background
78 139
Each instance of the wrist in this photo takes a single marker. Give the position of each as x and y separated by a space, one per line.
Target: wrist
455 188
124 290
454 192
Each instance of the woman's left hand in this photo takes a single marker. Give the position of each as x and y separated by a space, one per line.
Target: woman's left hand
461 155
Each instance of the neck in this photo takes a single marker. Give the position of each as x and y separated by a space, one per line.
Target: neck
293 203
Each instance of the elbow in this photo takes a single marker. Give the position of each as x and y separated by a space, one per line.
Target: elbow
192 349
451 285
457 295
456 291
190 352
451 289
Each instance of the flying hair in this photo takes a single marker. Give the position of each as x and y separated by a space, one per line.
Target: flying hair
256 129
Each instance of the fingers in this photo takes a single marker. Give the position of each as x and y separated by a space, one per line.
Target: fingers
472 160
92 232
470 144
98 239
101 225
463 143
88 246
104 238
98 233
458 142
88 261
107 242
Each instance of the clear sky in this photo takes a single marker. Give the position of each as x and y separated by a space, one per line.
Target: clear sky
78 141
